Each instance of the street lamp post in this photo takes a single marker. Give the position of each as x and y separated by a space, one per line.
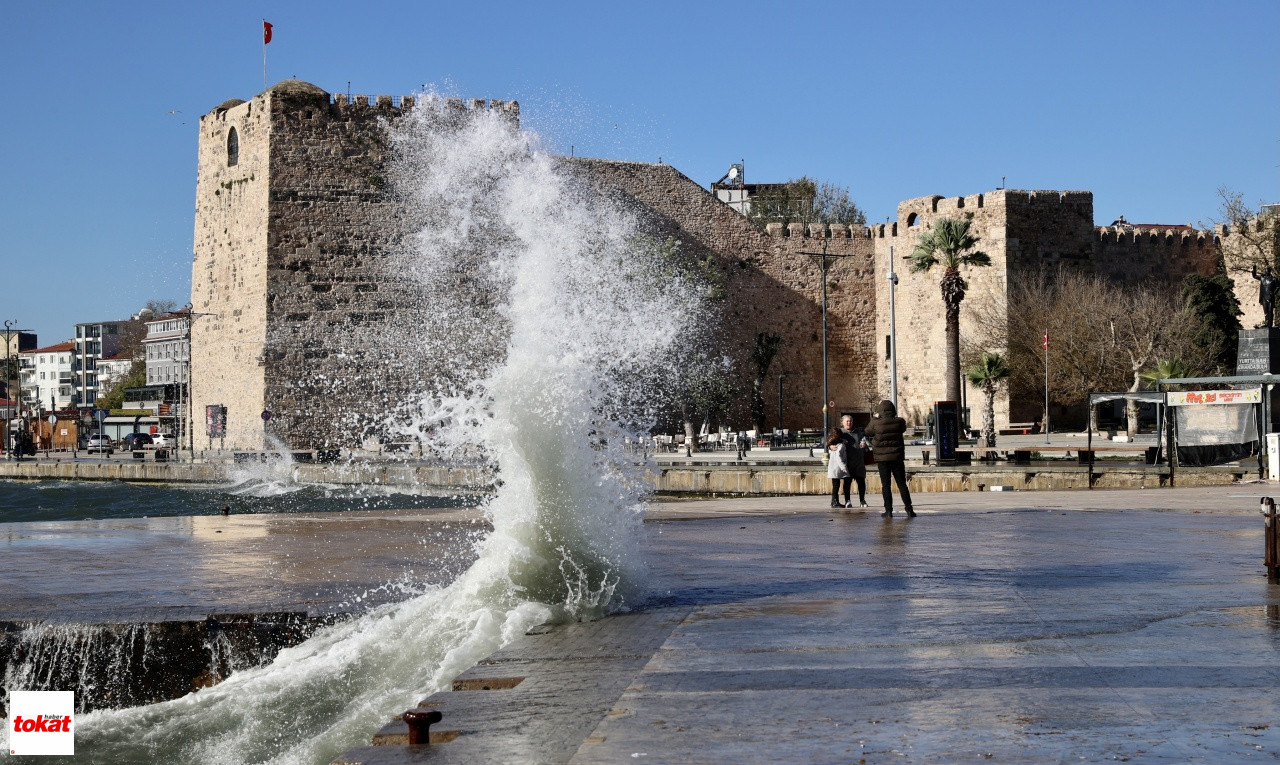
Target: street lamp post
780 376
191 434
893 332
9 329
826 397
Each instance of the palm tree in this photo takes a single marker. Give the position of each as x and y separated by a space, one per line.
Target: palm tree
1168 369
949 243
990 371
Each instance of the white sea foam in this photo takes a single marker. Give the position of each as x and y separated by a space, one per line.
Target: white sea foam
552 308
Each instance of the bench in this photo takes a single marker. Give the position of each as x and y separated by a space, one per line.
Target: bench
1020 429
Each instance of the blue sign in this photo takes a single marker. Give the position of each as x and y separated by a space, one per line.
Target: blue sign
98 414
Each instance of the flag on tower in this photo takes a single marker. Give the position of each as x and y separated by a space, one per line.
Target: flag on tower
266 32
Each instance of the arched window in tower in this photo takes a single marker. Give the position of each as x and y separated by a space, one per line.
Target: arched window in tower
912 220
233 148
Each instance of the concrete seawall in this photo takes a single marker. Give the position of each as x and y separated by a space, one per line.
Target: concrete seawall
734 478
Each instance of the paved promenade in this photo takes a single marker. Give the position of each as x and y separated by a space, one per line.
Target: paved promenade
1030 627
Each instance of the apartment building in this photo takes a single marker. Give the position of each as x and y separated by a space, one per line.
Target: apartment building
93 341
46 377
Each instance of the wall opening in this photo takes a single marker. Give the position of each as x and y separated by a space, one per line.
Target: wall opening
912 220
233 148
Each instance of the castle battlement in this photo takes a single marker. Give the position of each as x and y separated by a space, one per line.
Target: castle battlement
300 92
1166 236
817 231
383 102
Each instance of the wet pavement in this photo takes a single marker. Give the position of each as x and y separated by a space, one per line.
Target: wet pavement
1055 626
189 567
1051 626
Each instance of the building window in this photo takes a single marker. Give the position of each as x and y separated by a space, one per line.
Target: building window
233 148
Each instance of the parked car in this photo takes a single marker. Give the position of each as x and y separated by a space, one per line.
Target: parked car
99 443
164 441
131 441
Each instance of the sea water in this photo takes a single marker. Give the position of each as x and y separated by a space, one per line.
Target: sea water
560 312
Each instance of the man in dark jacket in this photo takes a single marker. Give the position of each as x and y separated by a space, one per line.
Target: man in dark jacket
885 431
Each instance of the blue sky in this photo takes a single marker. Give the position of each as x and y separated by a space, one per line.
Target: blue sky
1151 105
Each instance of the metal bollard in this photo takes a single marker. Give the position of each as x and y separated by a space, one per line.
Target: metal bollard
420 723
1270 555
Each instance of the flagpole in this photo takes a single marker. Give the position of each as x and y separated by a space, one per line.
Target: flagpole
1046 386
264 54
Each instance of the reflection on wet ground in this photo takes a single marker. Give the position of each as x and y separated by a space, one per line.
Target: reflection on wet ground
155 569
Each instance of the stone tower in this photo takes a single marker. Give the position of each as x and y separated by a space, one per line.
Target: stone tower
293 224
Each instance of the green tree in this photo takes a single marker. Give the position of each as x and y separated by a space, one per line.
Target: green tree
949 243
806 201
988 375
1211 300
114 398
762 355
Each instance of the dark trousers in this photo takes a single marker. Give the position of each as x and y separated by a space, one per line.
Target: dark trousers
897 469
846 484
861 478
835 489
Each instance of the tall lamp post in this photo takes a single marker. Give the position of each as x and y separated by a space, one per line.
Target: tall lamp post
826 397
191 434
9 329
893 332
784 374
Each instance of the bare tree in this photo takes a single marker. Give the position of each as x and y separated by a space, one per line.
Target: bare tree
1103 335
1251 242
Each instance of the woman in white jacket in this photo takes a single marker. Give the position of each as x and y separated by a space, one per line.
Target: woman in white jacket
837 464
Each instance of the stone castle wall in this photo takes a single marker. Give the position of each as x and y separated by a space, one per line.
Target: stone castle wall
770 286
292 257
1025 233
229 272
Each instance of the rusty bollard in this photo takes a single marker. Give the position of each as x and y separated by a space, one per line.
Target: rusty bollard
1270 556
420 723
1270 553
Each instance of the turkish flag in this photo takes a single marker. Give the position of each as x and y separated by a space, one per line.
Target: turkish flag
266 32
1046 339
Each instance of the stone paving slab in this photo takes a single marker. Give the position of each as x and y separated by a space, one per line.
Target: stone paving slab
568 678
1050 627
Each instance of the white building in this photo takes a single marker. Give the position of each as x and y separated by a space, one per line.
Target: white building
93 341
168 345
46 377
111 371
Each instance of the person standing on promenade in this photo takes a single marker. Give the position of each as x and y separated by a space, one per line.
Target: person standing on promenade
886 430
837 465
855 444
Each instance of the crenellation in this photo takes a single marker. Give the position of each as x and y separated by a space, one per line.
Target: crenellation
384 102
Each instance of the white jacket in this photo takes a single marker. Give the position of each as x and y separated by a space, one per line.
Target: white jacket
837 461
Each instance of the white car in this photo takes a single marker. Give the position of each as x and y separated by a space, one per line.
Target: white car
163 441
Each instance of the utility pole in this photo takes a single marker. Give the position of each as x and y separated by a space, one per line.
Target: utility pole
826 396
893 331
9 329
190 391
